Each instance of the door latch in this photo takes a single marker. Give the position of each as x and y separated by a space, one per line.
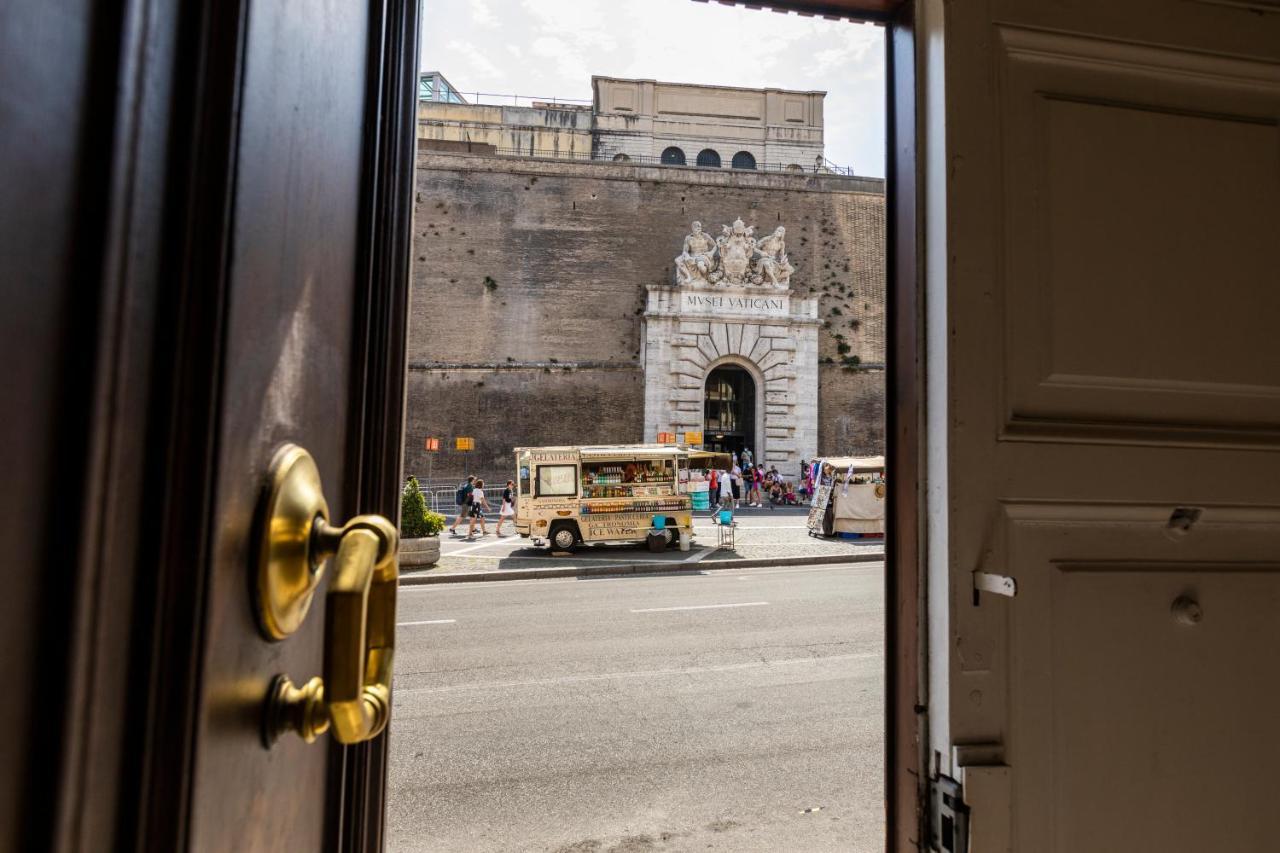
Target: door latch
297 542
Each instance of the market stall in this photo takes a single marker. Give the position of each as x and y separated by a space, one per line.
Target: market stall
849 497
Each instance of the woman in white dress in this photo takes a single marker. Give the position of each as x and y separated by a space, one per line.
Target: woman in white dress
508 509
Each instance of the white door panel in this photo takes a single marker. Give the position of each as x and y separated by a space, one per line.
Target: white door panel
1110 174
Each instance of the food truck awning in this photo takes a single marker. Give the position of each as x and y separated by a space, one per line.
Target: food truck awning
628 451
858 463
710 459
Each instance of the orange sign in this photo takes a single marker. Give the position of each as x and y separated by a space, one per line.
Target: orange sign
432 445
464 443
666 438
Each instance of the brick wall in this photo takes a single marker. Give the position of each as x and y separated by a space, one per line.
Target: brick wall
528 286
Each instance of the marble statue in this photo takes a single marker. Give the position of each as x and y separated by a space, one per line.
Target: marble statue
735 258
735 246
771 260
697 259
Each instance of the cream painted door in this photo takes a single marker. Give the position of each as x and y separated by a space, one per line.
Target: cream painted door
1103 313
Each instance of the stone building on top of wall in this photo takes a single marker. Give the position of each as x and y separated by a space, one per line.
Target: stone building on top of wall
640 121
716 126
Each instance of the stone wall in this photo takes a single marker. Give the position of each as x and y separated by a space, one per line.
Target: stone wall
536 269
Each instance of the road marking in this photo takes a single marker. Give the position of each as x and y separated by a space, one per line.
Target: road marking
470 548
700 607
427 622
647 673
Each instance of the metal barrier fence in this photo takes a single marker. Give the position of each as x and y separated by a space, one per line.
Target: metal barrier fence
439 493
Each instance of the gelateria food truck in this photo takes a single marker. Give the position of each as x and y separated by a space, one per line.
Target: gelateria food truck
848 497
570 496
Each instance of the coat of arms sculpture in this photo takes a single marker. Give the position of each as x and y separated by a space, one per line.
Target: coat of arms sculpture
735 258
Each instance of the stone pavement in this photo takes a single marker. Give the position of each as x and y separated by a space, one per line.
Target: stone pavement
761 534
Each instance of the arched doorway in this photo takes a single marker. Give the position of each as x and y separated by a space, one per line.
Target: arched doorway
729 410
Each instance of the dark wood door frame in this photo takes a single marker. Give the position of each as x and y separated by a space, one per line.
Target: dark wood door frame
108 753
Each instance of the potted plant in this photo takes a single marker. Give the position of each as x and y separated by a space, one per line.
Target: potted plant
419 528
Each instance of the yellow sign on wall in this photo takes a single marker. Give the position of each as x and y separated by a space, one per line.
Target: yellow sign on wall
464 443
693 438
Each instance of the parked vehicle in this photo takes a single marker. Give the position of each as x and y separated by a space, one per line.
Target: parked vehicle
570 496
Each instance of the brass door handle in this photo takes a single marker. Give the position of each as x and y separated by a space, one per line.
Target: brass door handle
353 696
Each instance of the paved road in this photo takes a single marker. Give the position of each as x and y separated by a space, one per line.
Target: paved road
693 712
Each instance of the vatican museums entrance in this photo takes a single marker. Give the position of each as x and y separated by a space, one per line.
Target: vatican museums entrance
729 413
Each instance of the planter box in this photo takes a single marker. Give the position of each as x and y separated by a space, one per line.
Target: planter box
419 552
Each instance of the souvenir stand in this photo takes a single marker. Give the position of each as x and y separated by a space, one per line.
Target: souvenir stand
849 497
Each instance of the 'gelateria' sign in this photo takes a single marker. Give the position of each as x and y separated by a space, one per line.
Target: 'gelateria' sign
693 302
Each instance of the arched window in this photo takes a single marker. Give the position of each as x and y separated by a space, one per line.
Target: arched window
708 157
620 158
744 160
794 167
673 156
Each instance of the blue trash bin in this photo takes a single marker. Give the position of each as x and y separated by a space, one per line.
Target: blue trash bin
659 522
726 516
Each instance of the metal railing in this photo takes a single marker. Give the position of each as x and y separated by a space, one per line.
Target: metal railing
439 493
501 99
826 167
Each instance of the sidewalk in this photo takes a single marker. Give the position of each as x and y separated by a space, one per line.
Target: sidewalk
762 538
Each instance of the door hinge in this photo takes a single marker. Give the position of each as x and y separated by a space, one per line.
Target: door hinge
949 818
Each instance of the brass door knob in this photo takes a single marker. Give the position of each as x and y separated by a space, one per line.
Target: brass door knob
353 696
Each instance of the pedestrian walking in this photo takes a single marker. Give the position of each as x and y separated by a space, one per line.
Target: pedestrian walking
462 497
508 508
478 507
735 480
726 490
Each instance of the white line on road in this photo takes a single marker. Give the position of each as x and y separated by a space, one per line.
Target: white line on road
647 673
469 549
701 607
427 622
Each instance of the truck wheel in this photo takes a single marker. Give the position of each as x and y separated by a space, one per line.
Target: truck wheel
563 538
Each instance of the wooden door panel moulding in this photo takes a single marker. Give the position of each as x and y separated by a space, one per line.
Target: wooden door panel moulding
358 793
184 412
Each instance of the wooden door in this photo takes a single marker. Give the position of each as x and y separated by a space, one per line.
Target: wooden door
1104 199
214 201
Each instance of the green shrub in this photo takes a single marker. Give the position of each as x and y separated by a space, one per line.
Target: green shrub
416 520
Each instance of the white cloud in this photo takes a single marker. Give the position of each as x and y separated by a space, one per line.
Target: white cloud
482 15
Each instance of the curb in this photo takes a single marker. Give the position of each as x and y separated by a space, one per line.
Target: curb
649 567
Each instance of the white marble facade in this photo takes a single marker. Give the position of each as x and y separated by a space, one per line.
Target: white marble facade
724 311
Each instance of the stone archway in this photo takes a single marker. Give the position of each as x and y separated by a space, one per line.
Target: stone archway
781 353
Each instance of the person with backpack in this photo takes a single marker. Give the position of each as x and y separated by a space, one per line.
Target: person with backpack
479 505
462 498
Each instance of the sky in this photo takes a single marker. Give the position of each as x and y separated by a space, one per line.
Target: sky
550 48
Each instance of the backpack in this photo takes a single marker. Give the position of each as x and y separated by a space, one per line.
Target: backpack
462 497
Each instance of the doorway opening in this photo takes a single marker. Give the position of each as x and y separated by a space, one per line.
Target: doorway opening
729 410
